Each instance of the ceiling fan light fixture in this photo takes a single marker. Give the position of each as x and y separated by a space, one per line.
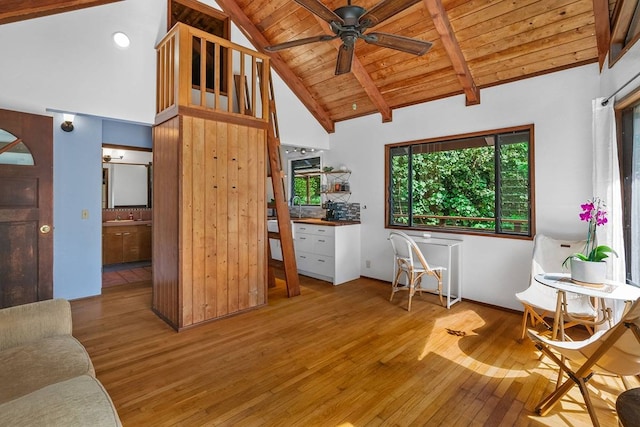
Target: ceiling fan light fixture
350 22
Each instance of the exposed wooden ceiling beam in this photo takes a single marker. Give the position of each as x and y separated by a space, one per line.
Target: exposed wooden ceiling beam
231 8
450 43
20 10
603 29
365 80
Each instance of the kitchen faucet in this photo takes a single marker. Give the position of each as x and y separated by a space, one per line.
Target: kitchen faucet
293 203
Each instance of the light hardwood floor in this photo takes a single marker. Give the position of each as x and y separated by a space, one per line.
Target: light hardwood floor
333 356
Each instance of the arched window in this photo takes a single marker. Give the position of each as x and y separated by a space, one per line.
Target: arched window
13 150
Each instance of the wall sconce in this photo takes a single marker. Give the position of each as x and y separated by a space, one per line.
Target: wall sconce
67 124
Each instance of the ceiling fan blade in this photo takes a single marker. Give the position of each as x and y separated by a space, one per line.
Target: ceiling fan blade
300 42
384 10
319 9
345 57
404 44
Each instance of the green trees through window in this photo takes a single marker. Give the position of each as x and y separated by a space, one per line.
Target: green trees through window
474 183
305 181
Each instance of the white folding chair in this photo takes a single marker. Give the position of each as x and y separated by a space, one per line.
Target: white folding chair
539 300
615 351
410 261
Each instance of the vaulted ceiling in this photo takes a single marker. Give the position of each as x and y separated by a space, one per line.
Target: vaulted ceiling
476 44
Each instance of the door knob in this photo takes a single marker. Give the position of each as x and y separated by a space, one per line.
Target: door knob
45 229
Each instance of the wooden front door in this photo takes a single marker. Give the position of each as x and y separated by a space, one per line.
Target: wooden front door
26 208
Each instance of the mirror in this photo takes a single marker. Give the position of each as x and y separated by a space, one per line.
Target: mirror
126 179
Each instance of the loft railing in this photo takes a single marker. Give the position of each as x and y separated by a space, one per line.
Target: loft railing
199 71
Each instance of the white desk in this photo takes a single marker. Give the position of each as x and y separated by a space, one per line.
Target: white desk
610 290
453 263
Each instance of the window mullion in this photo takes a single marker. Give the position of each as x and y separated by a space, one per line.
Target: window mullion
410 189
497 210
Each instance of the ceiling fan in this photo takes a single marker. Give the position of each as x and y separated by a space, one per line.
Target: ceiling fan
350 22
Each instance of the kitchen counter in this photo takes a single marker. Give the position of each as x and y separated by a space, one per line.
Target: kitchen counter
318 221
125 222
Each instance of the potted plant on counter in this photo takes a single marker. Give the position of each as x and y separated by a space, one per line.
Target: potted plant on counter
589 266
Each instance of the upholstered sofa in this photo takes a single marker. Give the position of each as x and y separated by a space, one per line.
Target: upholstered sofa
46 375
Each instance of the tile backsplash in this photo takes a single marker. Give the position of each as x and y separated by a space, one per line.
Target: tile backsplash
346 211
341 211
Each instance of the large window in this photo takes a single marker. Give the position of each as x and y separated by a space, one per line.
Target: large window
630 132
305 181
476 183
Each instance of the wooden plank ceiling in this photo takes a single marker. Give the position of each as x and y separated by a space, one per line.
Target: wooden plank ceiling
476 44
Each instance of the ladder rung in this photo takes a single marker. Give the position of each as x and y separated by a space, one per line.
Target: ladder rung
273 235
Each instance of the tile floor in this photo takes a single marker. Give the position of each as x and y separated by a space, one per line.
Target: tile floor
121 274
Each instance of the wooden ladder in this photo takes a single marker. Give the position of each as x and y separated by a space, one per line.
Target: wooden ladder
285 235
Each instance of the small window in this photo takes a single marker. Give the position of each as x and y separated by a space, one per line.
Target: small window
305 181
13 151
479 183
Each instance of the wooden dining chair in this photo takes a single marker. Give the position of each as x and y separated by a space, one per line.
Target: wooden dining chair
538 300
615 351
410 261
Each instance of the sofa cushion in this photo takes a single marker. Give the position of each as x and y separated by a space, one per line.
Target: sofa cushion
36 364
31 322
80 401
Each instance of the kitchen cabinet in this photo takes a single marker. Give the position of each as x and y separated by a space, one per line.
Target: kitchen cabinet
126 243
328 252
274 244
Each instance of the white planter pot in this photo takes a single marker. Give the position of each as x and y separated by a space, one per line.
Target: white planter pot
588 271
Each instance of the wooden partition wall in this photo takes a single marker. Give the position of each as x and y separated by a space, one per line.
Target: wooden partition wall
209 179
210 213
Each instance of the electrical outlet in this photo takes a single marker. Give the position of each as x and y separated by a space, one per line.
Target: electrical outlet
367 264
85 213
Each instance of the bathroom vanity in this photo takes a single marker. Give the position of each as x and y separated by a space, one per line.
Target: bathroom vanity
126 241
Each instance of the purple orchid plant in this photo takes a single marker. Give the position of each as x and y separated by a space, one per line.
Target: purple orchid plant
593 212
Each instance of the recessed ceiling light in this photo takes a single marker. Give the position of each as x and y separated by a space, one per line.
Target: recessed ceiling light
121 40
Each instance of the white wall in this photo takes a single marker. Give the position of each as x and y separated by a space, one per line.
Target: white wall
68 62
558 104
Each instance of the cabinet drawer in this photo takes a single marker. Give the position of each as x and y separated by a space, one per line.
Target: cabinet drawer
322 265
303 261
304 242
319 230
323 245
